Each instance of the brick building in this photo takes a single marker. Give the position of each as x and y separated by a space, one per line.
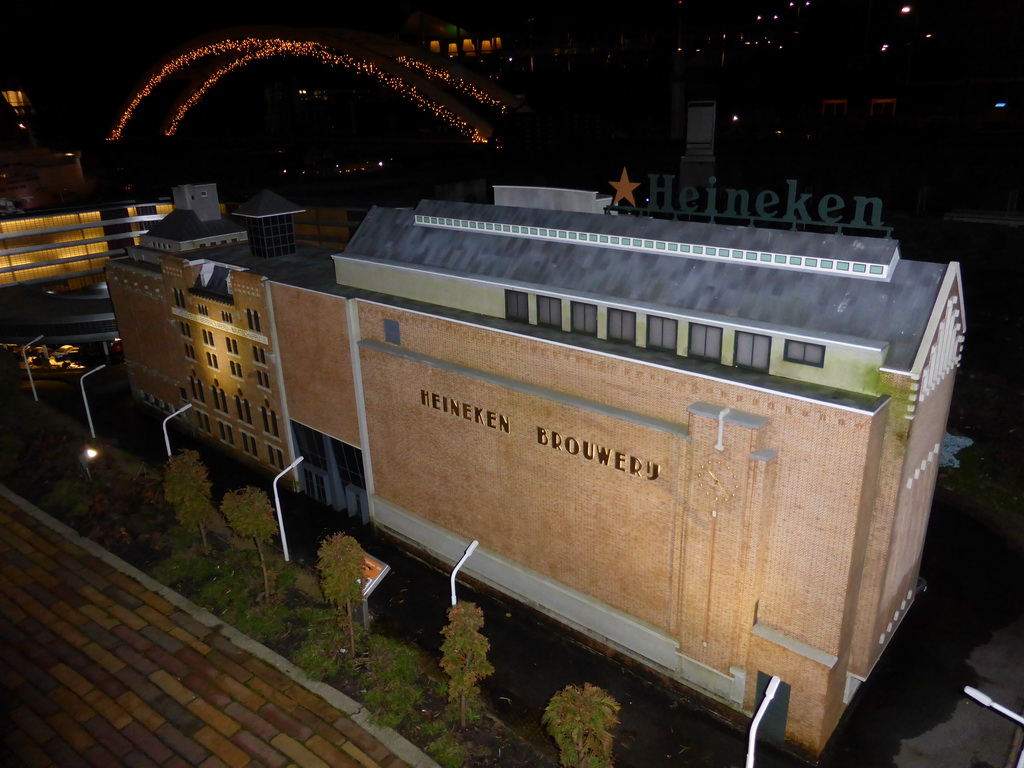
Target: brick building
710 448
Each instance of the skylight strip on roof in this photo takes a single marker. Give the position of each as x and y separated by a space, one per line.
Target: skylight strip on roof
843 267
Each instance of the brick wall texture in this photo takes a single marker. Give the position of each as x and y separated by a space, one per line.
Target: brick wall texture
801 538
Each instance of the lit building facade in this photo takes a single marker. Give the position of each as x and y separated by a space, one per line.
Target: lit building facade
710 448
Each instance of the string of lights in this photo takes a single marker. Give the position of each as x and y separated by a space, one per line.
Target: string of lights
247 50
458 83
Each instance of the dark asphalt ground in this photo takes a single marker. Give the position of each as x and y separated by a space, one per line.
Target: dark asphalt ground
911 712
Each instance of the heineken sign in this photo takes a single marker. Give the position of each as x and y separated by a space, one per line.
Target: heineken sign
788 206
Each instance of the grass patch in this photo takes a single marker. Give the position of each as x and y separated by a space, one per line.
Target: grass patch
322 651
392 691
448 751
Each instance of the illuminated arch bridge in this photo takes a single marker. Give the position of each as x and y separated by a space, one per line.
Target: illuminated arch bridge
441 87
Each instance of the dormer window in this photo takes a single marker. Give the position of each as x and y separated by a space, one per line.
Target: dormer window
706 341
753 350
803 352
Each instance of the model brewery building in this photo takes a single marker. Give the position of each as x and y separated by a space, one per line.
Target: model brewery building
712 448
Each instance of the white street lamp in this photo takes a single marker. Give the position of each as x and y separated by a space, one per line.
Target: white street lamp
85 400
986 701
455 570
28 368
167 439
87 456
277 503
769 694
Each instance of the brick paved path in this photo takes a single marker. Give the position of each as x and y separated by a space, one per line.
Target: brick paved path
98 669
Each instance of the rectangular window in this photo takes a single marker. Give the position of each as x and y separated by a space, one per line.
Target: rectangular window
584 318
705 341
190 352
622 325
753 350
802 352
517 306
259 355
662 333
549 312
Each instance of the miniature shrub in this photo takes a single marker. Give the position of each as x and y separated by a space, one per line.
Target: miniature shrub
464 658
580 720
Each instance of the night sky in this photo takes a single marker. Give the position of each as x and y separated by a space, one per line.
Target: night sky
79 63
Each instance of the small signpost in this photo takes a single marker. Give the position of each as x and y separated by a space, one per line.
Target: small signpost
375 571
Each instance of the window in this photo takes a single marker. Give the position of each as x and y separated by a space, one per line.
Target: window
753 350
584 318
705 341
549 312
259 355
226 317
198 393
190 352
834 107
252 317
208 338
622 325
203 310
392 332
802 352
225 432
179 298
517 306
238 407
211 360
263 379
236 369
662 333
883 108
186 329
232 346
275 456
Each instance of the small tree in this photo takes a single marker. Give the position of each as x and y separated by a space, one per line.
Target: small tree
464 655
580 720
340 562
187 489
250 515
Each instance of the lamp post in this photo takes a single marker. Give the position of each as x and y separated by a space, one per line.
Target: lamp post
455 570
87 456
85 399
277 503
769 694
167 439
986 701
28 368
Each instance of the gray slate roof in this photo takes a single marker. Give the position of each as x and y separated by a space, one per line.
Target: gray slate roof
266 203
182 225
895 310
